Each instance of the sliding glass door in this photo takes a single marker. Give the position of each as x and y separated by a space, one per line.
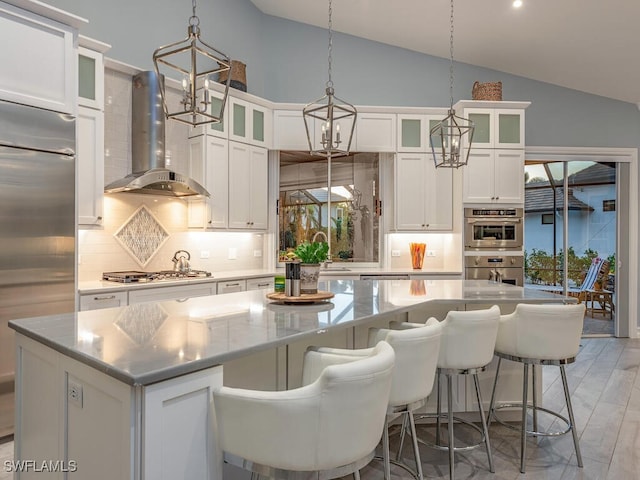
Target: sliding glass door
570 235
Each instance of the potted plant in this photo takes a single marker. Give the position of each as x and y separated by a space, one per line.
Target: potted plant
311 255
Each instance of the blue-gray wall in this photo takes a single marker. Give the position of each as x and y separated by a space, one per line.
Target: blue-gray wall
287 62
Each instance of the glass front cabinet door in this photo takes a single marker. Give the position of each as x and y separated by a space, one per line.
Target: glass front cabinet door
496 127
249 123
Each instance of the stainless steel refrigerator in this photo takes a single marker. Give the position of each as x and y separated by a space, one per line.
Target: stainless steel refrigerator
37 227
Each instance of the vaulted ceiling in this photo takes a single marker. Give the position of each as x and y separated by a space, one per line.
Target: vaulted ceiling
586 45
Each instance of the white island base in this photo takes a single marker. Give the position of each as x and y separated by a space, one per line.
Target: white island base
115 404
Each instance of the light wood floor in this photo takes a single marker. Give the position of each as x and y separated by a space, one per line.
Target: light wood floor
605 390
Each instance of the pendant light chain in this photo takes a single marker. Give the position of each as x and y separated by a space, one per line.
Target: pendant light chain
330 81
450 57
194 20
334 117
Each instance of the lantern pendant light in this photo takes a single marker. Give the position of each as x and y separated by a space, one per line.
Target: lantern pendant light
330 111
195 61
446 137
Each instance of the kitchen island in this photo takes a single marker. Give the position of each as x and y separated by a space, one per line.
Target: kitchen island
125 392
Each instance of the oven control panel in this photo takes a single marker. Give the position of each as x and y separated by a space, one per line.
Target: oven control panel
497 261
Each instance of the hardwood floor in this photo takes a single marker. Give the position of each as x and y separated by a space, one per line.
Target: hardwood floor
605 391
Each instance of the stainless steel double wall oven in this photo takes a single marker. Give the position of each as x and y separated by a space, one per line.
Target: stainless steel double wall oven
493 241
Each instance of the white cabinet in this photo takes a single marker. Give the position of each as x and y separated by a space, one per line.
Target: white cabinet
424 194
494 176
260 283
90 131
236 176
231 286
178 437
413 131
90 165
497 127
95 301
91 72
209 165
38 58
375 132
160 431
158 294
248 192
249 123
289 132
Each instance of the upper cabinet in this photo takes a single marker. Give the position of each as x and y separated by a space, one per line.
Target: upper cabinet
249 123
38 57
413 131
248 192
375 132
235 174
495 172
423 193
90 165
91 73
90 131
494 176
497 124
209 165
289 132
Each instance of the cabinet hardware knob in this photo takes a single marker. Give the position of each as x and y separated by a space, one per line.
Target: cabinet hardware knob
99 219
210 222
110 297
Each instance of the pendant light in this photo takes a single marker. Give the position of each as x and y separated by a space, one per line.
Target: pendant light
446 137
195 61
330 111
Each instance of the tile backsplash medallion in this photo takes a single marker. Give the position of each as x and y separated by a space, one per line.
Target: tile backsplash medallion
100 251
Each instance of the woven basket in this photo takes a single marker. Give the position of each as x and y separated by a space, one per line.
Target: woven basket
238 76
487 91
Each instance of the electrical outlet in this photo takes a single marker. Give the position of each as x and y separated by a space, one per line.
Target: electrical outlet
431 253
205 254
233 254
74 393
395 253
257 253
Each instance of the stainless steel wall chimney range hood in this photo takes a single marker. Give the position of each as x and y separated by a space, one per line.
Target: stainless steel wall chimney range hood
150 175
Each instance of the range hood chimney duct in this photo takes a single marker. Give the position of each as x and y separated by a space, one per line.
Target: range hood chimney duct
150 175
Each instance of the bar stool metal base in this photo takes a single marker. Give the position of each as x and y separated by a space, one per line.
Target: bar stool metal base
450 447
408 420
524 405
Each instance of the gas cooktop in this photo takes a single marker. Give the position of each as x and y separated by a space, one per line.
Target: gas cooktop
139 277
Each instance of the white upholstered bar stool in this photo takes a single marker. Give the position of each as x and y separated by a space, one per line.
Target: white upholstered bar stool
416 352
326 429
466 348
539 335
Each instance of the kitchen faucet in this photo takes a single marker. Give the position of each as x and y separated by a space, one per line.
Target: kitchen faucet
320 232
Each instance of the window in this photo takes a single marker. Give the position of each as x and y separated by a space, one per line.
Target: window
305 201
547 219
608 205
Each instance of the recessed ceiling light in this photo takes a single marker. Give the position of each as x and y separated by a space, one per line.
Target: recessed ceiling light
517 3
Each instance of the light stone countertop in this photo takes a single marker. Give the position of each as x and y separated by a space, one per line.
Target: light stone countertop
151 342
102 286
